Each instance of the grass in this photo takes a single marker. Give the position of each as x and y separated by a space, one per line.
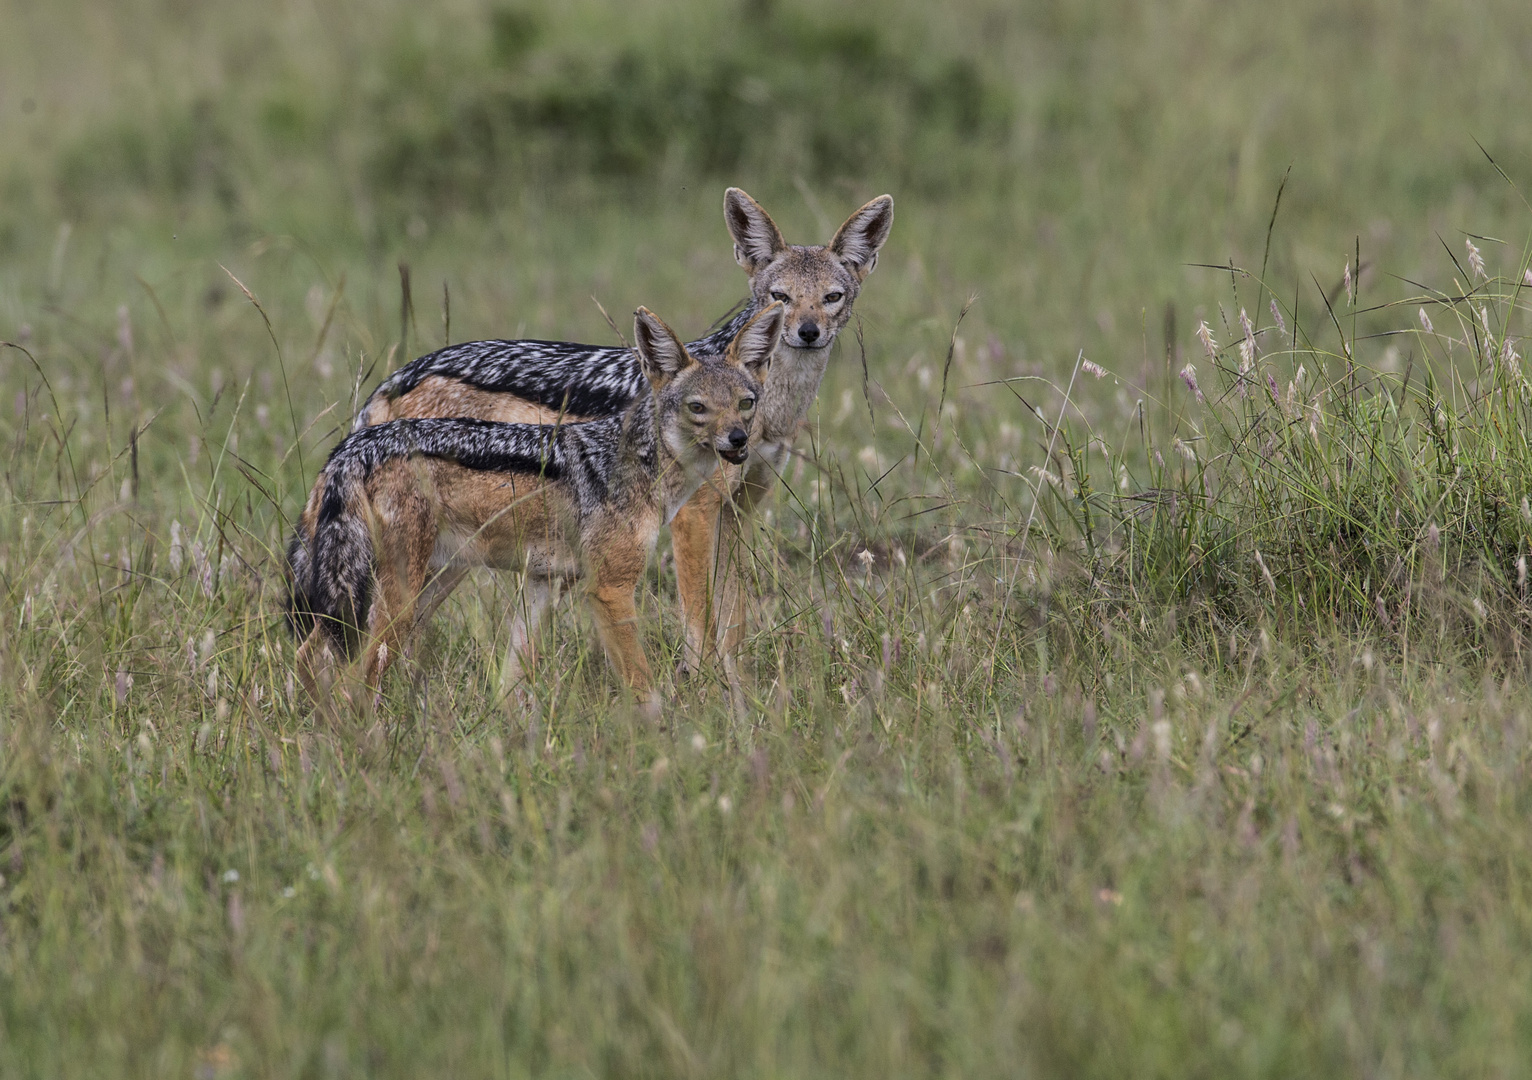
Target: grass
1094 728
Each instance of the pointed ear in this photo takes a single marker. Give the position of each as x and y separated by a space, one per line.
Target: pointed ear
757 240
756 342
660 353
858 240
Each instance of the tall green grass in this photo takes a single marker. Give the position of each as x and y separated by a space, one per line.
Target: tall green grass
1371 479
1043 770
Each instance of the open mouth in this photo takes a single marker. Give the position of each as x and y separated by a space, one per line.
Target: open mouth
735 457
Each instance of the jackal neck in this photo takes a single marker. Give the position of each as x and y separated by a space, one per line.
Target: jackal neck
790 390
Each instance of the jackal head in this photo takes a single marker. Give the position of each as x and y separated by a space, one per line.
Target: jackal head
704 405
816 284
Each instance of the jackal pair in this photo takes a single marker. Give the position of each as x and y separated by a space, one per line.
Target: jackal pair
561 461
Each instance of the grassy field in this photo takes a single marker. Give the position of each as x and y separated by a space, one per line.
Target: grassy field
1138 683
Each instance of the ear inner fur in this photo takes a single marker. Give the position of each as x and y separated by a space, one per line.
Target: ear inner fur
659 348
859 239
757 240
756 342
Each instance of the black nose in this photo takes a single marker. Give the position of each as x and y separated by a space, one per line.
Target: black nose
738 438
808 333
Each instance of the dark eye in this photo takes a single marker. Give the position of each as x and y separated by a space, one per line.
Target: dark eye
778 294
746 404
834 297
696 407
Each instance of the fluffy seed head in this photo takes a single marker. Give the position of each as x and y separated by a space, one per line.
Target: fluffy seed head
1247 346
1189 376
1205 335
1475 259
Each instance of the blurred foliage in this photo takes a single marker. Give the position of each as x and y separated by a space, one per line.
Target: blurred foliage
827 96
1066 156
448 125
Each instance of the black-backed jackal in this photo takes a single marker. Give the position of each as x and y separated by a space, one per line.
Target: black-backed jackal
402 510
537 382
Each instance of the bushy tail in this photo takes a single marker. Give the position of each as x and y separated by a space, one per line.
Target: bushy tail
330 572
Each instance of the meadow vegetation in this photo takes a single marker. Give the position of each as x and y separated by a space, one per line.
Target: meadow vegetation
1138 682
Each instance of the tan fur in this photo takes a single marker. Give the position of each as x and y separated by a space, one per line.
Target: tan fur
438 395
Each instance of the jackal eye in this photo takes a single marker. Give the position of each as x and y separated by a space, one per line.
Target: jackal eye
697 408
746 404
834 297
779 295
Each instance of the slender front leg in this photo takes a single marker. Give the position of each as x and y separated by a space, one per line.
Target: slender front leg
316 665
529 611
614 574
617 623
734 550
694 540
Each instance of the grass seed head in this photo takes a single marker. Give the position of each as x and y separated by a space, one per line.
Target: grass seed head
1276 316
1475 260
1189 377
1205 335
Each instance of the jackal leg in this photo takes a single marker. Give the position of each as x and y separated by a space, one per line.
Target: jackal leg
694 540
710 539
614 577
316 664
734 560
534 600
403 561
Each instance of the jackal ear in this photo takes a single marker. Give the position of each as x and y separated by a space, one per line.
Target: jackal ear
857 242
756 342
660 353
757 240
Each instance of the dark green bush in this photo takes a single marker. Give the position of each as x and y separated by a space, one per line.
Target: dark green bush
828 99
441 126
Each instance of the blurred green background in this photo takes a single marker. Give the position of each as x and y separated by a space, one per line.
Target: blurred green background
942 849
1063 160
